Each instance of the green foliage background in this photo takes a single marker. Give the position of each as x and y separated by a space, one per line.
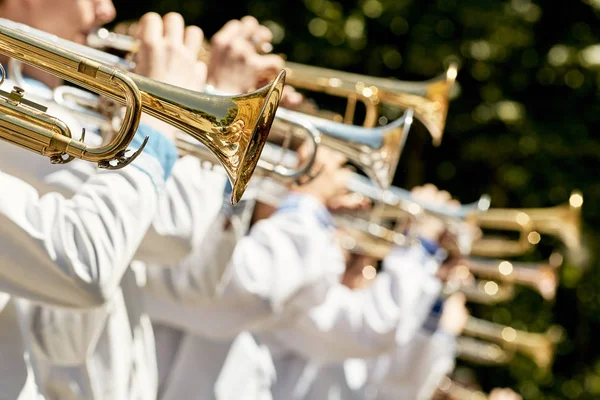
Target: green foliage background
523 128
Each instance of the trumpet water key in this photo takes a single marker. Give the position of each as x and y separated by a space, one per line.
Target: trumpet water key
234 128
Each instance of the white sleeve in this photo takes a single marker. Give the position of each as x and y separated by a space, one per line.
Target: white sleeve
193 196
414 370
73 252
364 323
280 265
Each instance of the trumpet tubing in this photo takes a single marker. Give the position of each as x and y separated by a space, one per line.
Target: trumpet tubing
482 353
504 219
233 128
537 346
562 222
541 277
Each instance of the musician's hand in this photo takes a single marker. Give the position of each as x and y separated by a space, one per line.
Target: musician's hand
455 314
348 202
504 394
331 180
168 53
291 98
235 65
432 228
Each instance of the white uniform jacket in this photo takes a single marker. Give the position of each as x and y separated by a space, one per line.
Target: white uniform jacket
282 278
71 252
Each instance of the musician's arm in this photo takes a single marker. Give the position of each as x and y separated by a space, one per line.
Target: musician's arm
414 370
193 197
368 322
280 265
73 252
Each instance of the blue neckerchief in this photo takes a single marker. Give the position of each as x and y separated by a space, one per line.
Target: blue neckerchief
433 320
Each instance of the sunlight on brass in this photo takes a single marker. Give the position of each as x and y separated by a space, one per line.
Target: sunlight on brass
539 276
540 347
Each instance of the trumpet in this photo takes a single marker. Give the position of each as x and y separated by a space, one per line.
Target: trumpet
376 151
429 99
537 346
562 222
233 128
390 211
541 277
454 391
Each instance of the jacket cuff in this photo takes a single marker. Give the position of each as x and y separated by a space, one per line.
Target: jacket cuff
161 149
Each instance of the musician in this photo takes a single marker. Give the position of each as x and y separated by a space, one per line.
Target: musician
414 370
74 252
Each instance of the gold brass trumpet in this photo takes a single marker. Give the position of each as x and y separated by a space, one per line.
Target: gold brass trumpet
541 277
562 222
429 99
537 346
233 128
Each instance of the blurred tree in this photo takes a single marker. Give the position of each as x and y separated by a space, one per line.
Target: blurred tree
523 128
